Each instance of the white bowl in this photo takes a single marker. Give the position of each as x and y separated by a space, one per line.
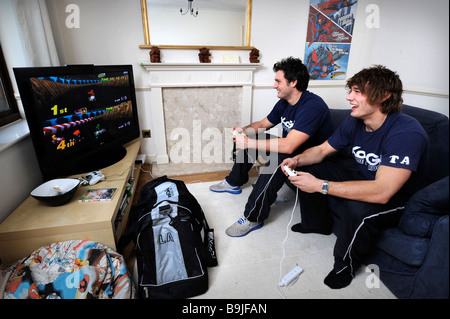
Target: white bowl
56 191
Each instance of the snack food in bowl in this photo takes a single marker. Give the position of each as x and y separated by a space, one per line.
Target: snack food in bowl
56 192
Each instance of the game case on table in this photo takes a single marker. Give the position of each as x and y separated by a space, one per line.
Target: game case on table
97 195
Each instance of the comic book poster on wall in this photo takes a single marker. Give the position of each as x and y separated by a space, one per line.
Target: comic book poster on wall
329 37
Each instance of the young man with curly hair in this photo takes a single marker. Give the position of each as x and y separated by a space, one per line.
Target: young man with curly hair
305 121
389 151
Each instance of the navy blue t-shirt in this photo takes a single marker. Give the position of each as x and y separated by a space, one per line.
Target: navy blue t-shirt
400 142
309 115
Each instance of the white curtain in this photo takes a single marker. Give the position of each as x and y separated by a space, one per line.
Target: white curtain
37 35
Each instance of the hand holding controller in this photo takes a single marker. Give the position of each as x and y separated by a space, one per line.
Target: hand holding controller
289 171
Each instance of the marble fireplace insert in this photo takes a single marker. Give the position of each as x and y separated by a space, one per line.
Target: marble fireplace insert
194 105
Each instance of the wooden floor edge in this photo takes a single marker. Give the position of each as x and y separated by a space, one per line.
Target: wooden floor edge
199 177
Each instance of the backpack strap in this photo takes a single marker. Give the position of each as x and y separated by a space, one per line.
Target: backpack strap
208 243
127 237
134 223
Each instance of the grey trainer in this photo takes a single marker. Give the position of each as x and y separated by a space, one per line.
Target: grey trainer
242 227
224 186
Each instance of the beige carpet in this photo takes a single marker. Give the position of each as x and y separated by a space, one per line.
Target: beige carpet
249 267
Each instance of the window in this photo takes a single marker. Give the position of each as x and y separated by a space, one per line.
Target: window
8 106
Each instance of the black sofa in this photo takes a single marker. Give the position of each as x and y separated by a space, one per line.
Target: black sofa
413 258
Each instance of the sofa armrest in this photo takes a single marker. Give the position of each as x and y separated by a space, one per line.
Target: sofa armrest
432 280
424 209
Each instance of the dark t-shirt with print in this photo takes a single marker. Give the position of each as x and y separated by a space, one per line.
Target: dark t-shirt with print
400 142
309 115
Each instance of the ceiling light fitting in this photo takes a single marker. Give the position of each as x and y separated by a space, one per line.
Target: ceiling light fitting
189 9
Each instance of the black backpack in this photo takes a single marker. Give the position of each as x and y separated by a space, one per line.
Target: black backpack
174 244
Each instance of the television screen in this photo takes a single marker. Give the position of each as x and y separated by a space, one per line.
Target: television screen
79 116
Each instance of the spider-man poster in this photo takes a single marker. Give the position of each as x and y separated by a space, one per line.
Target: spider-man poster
328 39
327 61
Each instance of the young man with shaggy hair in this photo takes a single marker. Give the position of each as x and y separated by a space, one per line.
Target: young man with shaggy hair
390 151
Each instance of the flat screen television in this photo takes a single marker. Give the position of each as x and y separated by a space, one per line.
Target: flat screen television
79 116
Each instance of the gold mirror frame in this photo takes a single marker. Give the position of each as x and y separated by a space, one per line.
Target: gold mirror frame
148 45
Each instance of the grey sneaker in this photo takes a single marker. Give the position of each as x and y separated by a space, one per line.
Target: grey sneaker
224 186
242 227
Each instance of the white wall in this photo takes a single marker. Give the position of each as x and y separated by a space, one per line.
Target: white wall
19 171
413 39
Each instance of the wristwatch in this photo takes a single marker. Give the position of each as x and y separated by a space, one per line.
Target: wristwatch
325 187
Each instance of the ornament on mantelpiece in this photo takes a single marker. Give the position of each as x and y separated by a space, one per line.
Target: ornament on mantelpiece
204 55
155 55
254 55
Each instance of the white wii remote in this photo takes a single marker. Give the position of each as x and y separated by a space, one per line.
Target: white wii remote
290 276
289 171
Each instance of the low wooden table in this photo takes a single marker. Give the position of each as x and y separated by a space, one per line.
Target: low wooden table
34 224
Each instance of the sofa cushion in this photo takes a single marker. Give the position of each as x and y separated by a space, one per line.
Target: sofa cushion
338 116
437 128
409 249
424 209
419 225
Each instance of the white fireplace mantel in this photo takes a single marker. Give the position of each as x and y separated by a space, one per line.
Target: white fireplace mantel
170 75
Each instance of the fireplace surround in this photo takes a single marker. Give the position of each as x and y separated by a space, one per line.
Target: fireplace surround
188 97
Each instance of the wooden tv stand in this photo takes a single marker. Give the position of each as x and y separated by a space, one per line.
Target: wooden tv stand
34 224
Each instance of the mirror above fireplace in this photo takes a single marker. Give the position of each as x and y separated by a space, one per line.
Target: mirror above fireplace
219 24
